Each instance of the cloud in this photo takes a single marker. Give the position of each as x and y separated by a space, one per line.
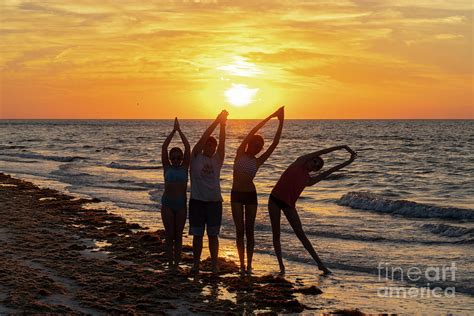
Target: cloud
425 4
295 43
435 38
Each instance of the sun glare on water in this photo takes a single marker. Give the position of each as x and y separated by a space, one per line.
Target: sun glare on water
240 94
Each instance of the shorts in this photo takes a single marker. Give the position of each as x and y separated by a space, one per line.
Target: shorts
202 214
246 198
281 205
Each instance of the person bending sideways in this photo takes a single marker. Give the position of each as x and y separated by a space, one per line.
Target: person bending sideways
205 204
287 191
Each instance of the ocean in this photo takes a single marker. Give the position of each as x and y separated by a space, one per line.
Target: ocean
407 202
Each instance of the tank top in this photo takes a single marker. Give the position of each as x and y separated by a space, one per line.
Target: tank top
246 164
291 184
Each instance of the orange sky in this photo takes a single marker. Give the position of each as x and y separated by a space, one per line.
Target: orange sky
161 59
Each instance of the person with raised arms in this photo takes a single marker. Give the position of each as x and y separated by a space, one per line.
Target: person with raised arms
205 204
173 202
244 194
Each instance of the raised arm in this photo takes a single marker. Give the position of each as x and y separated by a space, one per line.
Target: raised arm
254 130
280 113
164 149
325 174
221 147
187 148
199 145
303 159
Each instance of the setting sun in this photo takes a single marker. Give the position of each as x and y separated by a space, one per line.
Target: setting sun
240 95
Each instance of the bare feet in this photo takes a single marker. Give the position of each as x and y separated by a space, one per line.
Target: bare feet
171 267
282 269
242 270
215 269
178 269
249 270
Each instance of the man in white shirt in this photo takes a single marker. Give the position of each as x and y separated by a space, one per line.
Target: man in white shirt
205 204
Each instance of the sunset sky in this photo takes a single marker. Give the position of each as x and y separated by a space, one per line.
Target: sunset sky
161 59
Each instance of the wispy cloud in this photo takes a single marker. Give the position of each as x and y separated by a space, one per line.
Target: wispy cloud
292 44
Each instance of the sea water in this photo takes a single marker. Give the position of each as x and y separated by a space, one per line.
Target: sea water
385 225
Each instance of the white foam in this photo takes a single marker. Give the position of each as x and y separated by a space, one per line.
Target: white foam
375 202
116 165
449 230
44 157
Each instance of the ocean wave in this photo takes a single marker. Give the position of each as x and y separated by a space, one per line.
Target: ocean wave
116 165
155 195
69 174
110 148
149 185
16 160
337 176
31 140
67 171
125 181
2 147
305 198
449 230
376 202
45 157
330 233
124 188
465 241
146 185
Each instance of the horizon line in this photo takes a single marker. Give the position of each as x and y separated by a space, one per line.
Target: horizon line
230 119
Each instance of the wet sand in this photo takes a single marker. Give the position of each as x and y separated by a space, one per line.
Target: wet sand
61 257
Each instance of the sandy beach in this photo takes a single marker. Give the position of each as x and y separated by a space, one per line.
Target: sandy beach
60 257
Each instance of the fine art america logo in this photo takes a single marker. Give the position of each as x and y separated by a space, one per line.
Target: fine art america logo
430 274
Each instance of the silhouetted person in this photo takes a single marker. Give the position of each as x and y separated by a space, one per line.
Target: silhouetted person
173 201
205 205
287 191
244 195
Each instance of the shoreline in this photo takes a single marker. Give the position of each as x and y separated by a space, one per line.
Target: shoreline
60 257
